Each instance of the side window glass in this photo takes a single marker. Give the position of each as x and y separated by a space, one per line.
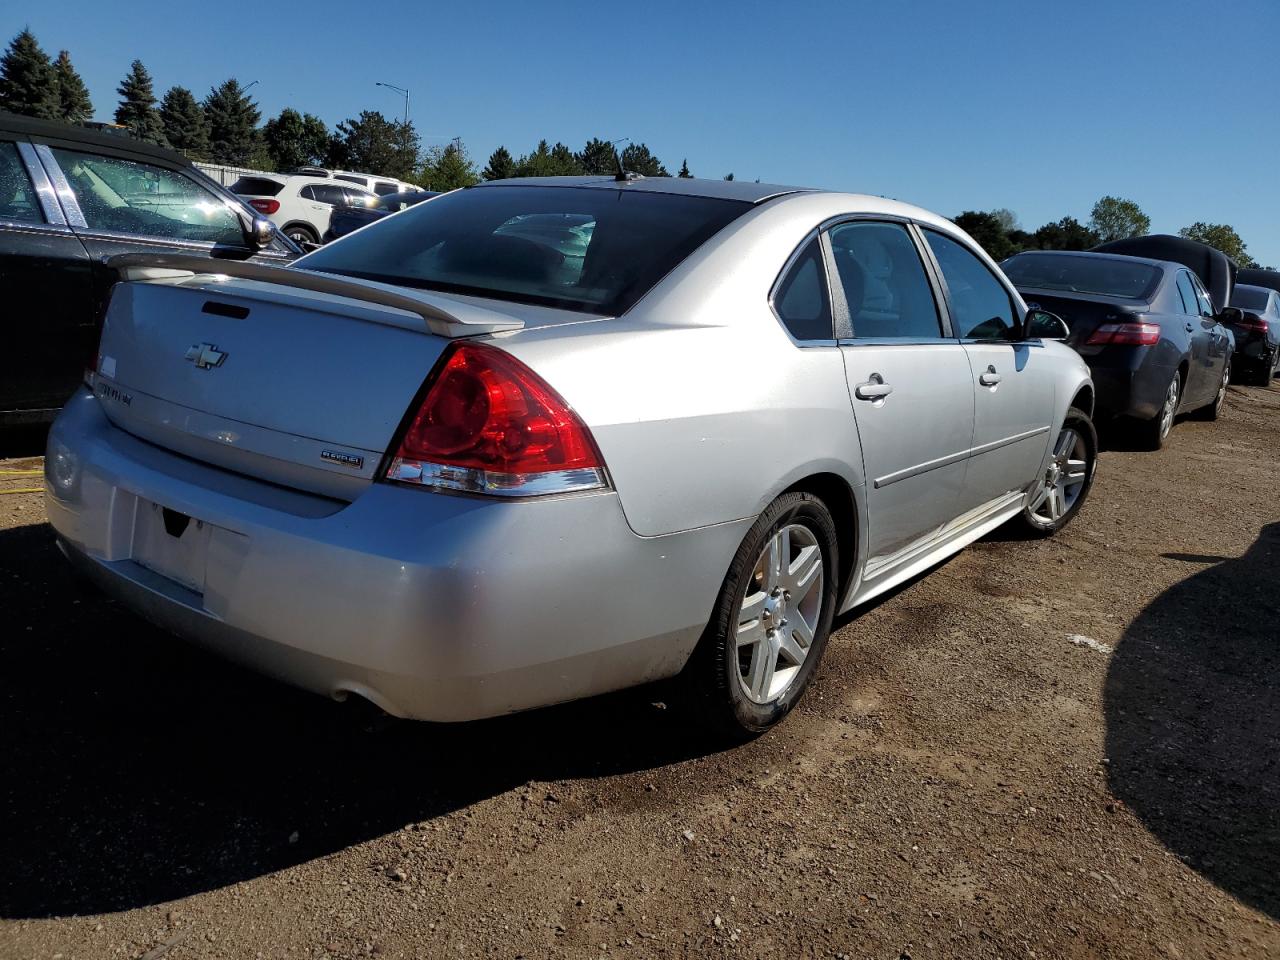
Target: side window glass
382 188
1205 304
307 193
980 306
1186 294
17 195
127 197
802 301
884 282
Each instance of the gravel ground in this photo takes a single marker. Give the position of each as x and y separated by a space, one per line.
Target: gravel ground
1065 748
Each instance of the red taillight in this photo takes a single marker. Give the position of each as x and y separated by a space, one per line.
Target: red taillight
1252 323
265 205
1131 334
489 424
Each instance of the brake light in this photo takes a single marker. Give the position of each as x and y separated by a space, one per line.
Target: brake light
489 424
1130 334
265 205
1253 323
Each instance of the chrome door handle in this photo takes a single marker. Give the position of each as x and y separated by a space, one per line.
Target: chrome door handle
873 389
990 378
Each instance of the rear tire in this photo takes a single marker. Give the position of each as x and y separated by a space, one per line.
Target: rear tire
1154 432
299 233
771 620
1062 491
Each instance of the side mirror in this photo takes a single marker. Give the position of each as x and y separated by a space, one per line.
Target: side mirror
260 233
1043 325
1230 315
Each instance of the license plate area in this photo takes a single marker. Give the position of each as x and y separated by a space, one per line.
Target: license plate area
171 544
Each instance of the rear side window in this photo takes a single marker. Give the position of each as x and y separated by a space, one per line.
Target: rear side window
382 188
123 196
1187 294
17 195
363 181
802 301
980 305
325 193
592 249
884 283
256 187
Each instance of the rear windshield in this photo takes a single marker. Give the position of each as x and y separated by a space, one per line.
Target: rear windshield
1107 276
1250 298
588 249
256 187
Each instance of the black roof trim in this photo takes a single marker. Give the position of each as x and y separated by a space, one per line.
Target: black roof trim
13 123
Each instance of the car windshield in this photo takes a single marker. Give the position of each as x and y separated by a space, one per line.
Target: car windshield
1250 298
589 249
1107 276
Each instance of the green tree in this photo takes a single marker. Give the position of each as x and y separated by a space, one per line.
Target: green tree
233 120
501 165
184 122
684 173
1067 234
637 159
1008 219
1117 219
728 176
566 161
28 84
989 231
548 162
598 158
1222 237
449 168
74 105
294 139
373 144
137 111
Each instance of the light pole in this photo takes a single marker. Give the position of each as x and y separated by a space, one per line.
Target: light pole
392 86
251 83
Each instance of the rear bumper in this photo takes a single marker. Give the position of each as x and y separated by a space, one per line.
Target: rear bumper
1131 381
432 606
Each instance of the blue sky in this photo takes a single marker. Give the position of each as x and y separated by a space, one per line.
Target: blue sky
1040 106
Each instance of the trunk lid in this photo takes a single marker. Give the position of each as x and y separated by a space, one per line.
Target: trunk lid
300 387
1083 314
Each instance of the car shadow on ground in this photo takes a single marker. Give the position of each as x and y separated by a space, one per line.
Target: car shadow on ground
1193 720
134 770
25 441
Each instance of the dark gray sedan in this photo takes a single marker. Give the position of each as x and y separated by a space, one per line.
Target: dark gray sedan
1147 329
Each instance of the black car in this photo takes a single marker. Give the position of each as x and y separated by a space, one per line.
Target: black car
347 219
1257 333
1147 328
69 197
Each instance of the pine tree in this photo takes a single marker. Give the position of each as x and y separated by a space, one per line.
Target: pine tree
598 158
27 81
637 159
233 119
74 105
137 111
565 161
184 123
728 176
373 144
449 168
501 166
684 173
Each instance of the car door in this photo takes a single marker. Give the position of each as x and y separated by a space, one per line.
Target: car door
1013 388
1209 339
910 383
48 316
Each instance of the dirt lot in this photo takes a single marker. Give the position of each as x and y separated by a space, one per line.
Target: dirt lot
963 781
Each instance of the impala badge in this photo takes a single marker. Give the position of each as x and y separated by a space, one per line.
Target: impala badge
205 356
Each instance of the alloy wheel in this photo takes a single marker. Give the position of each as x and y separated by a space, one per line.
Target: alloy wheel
779 615
1063 480
1221 398
1170 408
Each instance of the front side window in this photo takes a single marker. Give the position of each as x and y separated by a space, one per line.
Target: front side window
591 249
1202 298
801 300
124 196
980 305
884 283
17 195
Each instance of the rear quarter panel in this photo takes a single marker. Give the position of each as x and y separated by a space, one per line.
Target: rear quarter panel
703 407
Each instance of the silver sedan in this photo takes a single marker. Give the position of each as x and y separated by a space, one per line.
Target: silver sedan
542 439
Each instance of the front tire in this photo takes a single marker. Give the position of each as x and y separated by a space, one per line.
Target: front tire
1214 410
771 621
1062 491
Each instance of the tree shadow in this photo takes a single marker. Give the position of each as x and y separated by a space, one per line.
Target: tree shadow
135 769
1193 721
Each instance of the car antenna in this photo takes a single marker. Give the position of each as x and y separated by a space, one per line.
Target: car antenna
621 175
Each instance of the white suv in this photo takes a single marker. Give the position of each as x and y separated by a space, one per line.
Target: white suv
379 185
299 205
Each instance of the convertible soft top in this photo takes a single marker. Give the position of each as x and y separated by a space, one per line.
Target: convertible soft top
1215 269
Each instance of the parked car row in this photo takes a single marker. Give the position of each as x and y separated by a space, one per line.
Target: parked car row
347 219
491 429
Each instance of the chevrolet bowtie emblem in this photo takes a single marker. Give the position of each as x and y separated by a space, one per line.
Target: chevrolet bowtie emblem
205 356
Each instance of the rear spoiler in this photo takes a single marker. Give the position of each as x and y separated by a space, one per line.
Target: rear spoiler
459 320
